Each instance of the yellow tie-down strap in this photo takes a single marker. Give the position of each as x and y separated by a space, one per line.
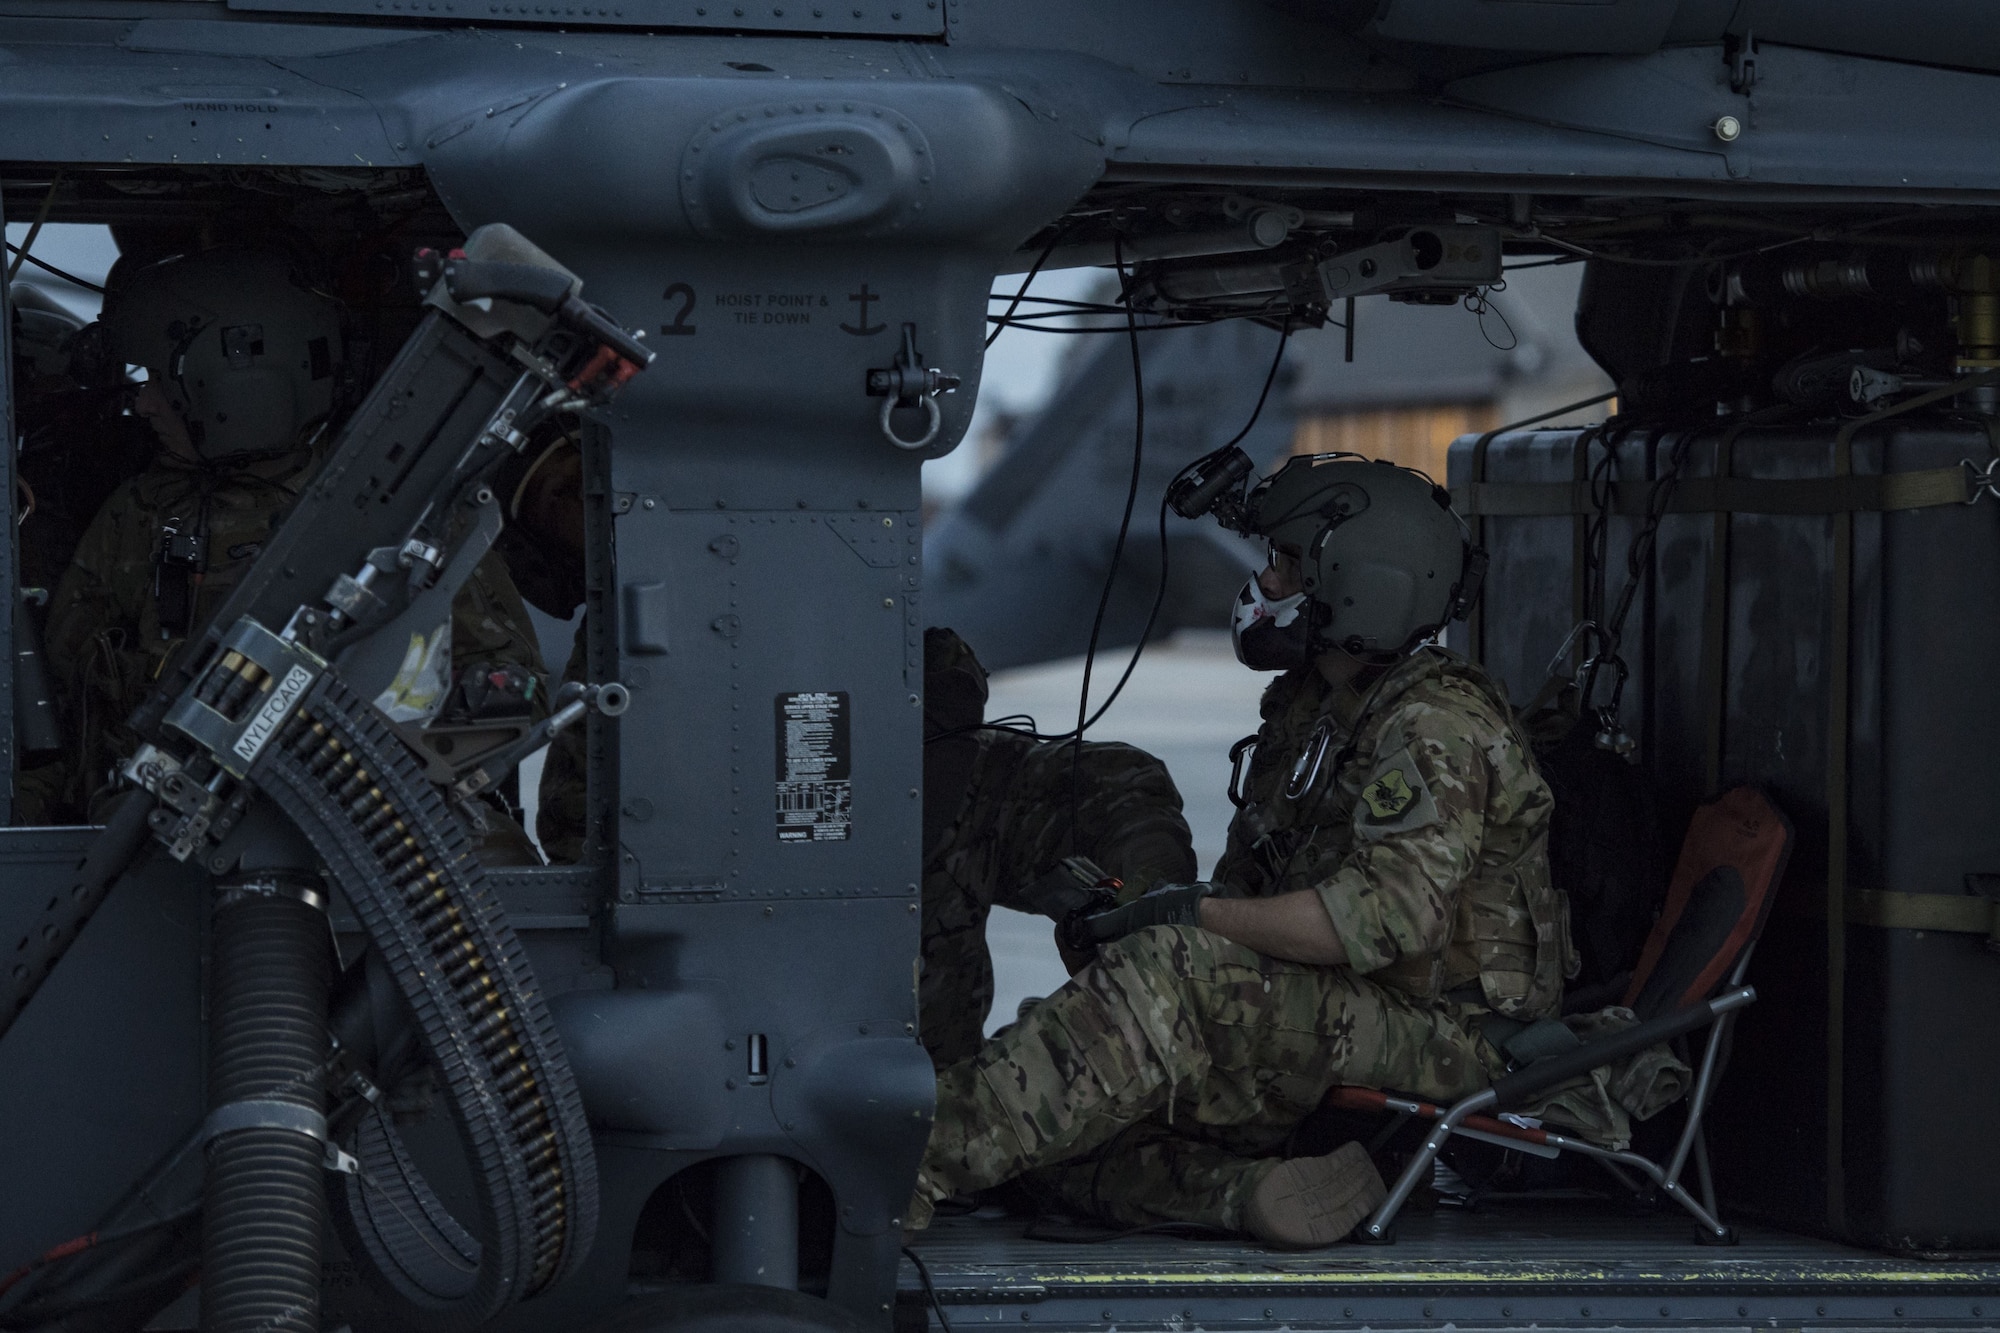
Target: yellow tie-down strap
1926 489
1945 913
1953 913
1524 1273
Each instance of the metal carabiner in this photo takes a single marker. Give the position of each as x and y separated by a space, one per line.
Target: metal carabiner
1305 773
1247 745
1581 630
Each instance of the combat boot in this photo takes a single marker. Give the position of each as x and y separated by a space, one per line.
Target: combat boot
1308 1202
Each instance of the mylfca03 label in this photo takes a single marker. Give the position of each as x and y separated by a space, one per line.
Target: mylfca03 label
815 767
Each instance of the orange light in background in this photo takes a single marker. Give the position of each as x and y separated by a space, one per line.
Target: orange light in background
1415 437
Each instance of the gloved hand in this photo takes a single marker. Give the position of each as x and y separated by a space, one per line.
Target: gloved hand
1074 888
1072 885
1167 905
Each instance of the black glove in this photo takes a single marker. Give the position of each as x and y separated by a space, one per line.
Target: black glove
1167 905
1074 885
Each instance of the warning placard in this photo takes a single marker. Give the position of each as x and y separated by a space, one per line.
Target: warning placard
815 763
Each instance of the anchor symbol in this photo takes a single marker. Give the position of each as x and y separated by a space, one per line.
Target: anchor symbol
863 298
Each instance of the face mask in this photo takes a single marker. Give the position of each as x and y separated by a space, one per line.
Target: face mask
1268 635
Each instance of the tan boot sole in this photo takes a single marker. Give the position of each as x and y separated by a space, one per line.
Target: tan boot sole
1313 1201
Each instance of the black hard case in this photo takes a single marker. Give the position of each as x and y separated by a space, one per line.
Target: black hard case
1918 1159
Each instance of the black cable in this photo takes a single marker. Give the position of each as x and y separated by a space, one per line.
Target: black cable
1062 303
1636 260
94 1241
19 1287
1152 617
1061 308
1160 594
1117 312
1576 406
1026 322
41 1316
1118 547
1010 724
46 266
33 1302
1021 295
1480 304
930 1291
1030 327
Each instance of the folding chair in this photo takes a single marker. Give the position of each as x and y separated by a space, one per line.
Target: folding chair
1690 976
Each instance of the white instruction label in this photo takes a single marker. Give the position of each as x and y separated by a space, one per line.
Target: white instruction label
815 759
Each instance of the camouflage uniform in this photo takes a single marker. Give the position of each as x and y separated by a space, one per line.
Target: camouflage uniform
105 640
1013 826
1146 1088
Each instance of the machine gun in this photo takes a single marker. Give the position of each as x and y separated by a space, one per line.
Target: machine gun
306 696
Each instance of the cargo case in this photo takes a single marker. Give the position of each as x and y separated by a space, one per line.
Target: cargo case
1854 1103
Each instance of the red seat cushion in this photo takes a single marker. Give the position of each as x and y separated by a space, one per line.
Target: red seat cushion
1721 892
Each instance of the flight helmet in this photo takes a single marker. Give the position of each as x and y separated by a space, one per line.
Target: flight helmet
1384 562
241 346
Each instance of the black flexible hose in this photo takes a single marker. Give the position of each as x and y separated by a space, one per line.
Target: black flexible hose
264 1200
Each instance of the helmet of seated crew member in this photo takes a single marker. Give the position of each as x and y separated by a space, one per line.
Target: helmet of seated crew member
1382 559
244 349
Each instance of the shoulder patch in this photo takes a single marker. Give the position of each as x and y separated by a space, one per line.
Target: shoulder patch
1395 798
1389 795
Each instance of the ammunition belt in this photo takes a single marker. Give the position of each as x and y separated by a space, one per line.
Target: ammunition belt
392 845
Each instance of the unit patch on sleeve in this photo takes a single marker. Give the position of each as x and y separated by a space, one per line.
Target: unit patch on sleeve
1388 795
1395 798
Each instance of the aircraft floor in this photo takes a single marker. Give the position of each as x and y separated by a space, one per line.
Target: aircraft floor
1577 1262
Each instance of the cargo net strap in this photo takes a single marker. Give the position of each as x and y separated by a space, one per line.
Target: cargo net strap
395 849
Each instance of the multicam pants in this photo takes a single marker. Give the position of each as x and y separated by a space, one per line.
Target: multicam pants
1157 1076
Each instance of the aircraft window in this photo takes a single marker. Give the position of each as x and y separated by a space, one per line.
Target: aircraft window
81 250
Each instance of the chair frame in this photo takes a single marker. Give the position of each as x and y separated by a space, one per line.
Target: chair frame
1471 1117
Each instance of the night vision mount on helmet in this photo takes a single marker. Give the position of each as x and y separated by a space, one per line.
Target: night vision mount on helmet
1384 561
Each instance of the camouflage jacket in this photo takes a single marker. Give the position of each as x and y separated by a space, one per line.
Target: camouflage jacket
1012 827
1415 811
105 636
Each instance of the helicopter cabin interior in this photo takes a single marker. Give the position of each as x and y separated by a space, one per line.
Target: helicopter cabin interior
1774 565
